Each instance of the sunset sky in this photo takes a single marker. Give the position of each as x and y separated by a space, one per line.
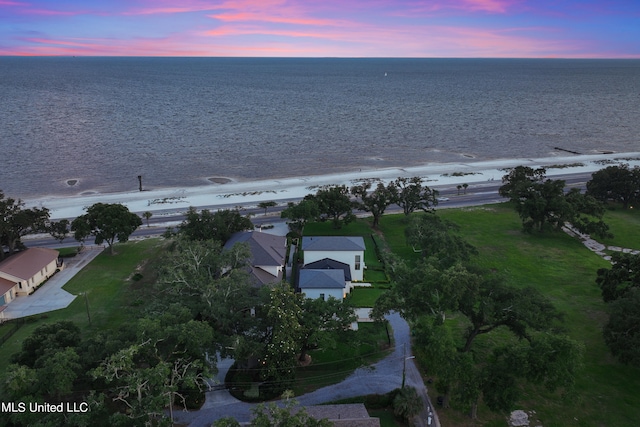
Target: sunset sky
322 28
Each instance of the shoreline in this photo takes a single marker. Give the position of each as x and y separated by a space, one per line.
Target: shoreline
226 192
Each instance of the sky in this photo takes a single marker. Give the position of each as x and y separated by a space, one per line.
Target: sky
322 28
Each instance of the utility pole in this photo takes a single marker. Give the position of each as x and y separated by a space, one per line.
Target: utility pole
404 363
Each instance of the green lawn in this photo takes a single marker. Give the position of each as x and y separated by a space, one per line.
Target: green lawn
625 226
364 297
608 394
109 294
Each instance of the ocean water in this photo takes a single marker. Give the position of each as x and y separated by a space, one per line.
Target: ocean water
98 123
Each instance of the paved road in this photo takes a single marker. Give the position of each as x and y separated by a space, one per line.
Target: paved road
382 377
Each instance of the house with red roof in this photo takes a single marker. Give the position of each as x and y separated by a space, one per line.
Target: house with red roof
22 273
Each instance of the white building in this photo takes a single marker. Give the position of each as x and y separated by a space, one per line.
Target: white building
345 249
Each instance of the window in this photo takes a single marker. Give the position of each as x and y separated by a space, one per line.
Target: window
357 262
20 285
322 297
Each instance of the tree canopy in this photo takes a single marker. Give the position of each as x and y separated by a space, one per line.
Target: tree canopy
436 239
622 330
106 222
411 195
617 183
542 202
299 214
452 306
375 201
620 287
16 221
623 276
207 225
334 202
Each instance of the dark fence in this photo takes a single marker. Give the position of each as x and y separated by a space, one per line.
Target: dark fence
15 325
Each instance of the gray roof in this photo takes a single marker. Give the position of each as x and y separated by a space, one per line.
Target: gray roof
352 415
330 264
333 243
321 279
266 249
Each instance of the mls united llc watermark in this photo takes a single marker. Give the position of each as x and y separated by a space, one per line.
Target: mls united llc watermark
43 407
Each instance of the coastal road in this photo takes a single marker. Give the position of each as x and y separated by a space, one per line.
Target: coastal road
477 194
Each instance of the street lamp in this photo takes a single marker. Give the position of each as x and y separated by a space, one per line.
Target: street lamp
404 369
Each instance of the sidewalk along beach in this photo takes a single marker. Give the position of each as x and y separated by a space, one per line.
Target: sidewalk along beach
227 193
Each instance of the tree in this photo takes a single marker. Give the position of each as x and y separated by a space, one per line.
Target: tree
147 216
169 354
16 221
45 340
407 403
284 335
272 415
541 202
622 330
58 372
300 214
107 222
375 202
334 201
59 230
436 239
428 297
321 323
623 276
410 194
267 205
217 226
213 284
616 183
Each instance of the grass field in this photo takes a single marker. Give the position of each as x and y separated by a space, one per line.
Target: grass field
608 394
109 294
625 226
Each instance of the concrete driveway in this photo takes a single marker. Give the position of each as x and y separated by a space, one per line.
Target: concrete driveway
51 296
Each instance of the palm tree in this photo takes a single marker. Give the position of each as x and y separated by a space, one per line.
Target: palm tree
407 403
146 216
267 205
465 188
459 187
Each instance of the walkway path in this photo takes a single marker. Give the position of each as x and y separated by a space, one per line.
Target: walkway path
382 377
594 245
51 296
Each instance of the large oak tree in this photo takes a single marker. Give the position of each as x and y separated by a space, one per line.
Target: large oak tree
106 222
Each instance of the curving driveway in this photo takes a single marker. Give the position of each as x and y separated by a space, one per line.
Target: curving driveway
381 377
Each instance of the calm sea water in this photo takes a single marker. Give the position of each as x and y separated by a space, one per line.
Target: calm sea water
178 122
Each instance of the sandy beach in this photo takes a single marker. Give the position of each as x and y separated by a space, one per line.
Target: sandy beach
226 193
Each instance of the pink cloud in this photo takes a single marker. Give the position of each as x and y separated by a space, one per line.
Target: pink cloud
248 16
495 6
12 3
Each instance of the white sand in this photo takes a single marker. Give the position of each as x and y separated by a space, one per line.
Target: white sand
172 201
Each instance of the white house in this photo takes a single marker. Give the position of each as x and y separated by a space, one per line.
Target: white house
267 254
322 283
345 249
22 273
